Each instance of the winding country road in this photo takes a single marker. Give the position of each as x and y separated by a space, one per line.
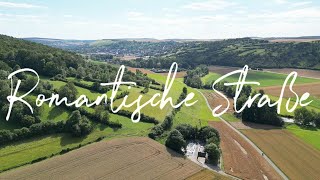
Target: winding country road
249 141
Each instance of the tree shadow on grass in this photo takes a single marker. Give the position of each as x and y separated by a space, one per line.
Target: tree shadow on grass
69 139
55 112
309 128
260 126
101 126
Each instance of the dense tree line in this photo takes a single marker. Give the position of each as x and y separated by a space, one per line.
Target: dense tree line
43 59
230 91
178 138
167 124
193 77
305 117
261 115
77 124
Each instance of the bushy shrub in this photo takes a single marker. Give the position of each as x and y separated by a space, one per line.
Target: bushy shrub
167 123
188 131
213 153
175 141
209 134
156 131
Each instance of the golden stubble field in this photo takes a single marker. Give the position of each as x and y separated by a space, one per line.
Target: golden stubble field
295 158
240 159
125 158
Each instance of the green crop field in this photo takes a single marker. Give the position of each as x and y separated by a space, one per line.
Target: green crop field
230 117
291 104
80 81
134 93
310 136
265 78
196 115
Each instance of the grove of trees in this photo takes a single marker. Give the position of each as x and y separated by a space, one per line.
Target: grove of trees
305 117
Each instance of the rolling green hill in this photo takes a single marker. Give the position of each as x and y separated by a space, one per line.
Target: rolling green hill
240 52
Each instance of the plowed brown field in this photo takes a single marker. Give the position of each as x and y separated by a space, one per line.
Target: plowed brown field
145 71
222 69
126 158
180 74
301 72
240 158
312 88
295 158
215 100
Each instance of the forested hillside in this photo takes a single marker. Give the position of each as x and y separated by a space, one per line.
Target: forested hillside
43 59
239 52
56 65
140 48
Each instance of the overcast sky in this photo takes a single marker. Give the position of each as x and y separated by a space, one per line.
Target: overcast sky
162 19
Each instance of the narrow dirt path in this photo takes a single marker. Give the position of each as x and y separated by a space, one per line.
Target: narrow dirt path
248 141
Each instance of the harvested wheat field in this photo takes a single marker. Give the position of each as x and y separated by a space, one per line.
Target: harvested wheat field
215 100
206 174
240 159
144 71
180 74
295 158
125 158
250 125
300 89
301 72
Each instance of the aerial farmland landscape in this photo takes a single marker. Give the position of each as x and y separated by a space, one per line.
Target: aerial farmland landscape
195 90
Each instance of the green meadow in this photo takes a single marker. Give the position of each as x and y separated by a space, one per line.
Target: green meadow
264 78
310 136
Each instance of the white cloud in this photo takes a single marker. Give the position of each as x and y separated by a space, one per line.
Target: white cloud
299 4
19 5
281 1
303 13
134 14
137 16
210 5
67 16
19 16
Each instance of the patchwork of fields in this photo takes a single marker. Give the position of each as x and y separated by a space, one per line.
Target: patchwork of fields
294 157
265 78
240 159
26 151
294 150
124 158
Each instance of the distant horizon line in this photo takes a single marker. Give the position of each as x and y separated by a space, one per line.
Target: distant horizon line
181 39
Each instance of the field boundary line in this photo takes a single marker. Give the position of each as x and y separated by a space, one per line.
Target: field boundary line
278 170
287 74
